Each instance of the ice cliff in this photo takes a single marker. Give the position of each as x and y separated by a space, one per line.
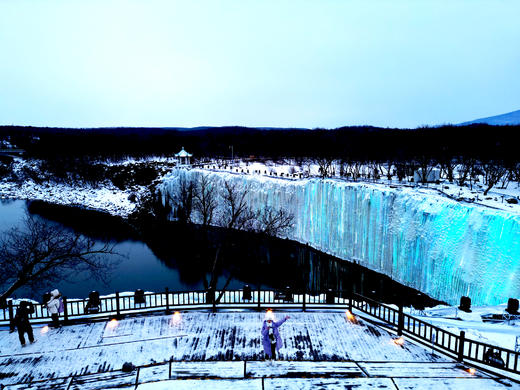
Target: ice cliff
441 247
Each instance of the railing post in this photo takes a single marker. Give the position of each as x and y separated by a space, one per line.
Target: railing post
11 315
167 300
258 291
65 311
137 377
350 306
304 301
462 339
400 320
213 296
118 309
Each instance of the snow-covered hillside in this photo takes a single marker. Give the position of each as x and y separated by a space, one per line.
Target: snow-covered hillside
511 118
27 181
440 246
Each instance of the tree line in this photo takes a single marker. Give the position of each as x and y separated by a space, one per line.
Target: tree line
461 170
479 141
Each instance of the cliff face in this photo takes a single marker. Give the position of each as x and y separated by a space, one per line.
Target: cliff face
441 247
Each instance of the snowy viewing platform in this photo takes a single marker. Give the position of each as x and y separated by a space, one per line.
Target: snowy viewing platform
322 349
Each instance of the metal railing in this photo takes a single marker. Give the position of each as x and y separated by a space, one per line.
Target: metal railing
117 305
455 345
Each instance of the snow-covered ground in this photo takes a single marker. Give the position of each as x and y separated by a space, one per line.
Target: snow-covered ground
107 198
103 197
321 350
504 333
290 169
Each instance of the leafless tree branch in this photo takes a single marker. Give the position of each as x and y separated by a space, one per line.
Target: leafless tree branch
205 199
274 222
42 253
238 213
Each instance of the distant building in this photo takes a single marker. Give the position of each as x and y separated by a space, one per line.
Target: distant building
183 157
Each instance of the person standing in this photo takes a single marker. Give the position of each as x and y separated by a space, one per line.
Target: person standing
21 320
271 339
53 307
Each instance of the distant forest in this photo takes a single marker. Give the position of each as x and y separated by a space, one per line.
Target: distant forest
477 141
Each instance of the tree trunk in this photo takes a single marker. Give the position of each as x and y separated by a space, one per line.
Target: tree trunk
17 284
224 288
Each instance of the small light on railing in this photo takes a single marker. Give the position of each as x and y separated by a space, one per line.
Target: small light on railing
112 323
398 340
176 318
350 316
45 329
472 371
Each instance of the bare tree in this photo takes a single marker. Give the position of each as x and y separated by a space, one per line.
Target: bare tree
353 169
326 166
401 170
375 169
448 166
274 222
467 168
507 177
425 165
388 173
238 214
211 286
42 254
515 172
205 199
493 173
150 205
183 199
308 166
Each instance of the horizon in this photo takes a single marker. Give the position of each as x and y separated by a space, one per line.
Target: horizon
324 64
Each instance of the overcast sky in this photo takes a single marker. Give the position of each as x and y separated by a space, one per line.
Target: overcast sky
280 63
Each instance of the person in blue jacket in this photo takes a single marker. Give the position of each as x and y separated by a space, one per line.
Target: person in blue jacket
271 339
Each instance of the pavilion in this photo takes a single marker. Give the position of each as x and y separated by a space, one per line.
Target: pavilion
183 157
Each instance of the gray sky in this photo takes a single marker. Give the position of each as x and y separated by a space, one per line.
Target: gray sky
322 63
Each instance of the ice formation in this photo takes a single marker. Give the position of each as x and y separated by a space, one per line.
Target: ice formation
441 247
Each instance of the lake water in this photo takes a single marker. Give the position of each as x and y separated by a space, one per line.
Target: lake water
181 258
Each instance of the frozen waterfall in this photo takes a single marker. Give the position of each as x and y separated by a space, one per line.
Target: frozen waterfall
441 247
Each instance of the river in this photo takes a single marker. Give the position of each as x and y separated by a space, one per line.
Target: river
181 258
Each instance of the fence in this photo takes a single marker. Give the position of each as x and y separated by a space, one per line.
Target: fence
455 345
117 305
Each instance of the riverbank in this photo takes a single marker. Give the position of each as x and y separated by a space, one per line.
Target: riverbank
115 187
108 198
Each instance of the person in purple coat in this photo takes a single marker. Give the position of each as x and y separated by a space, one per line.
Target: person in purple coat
271 339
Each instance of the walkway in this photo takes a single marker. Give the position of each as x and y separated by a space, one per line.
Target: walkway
215 346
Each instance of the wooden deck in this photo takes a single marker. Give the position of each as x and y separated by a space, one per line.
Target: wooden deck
224 348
